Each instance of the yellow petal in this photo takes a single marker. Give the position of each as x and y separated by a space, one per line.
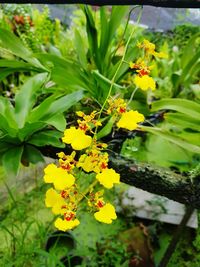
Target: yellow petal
77 138
69 135
106 214
81 140
51 197
50 173
160 55
145 82
108 178
80 113
63 180
55 201
64 225
130 119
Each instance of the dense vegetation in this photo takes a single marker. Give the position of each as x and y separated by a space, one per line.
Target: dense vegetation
49 72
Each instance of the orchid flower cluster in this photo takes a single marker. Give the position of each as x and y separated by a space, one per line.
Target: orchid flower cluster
142 68
90 156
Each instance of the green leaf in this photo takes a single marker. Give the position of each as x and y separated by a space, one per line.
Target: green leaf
7 111
104 40
48 137
187 107
190 69
6 128
182 120
11 160
107 128
61 104
189 50
29 129
105 83
81 53
4 146
58 121
15 64
26 97
32 154
39 110
132 50
12 43
64 72
117 15
174 139
92 35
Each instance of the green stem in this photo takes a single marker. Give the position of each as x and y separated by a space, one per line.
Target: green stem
118 68
87 190
132 95
125 29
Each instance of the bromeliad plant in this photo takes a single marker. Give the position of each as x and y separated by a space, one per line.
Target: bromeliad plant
26 124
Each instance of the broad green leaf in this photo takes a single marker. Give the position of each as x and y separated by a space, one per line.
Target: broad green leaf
4 146
174 139
130 56
7 110
189 50
29 129
26 97
190 108
6 128
12 43
48 137
58 121
39 110
107 129
54 50
190 69
11 160
182 120
117 15
5 72
104 40
62 104
32 154
81 53
64 72
92 35
15 64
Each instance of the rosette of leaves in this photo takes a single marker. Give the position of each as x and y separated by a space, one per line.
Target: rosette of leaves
26 125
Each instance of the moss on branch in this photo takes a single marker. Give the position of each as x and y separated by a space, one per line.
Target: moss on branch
182 188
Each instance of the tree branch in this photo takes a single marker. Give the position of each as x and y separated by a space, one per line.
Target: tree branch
184 189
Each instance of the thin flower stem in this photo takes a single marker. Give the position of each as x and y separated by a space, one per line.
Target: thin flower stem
83 195
118 68
132 95
87 191
126 62
125 29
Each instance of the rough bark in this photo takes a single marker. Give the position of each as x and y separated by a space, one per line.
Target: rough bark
160 3
182 188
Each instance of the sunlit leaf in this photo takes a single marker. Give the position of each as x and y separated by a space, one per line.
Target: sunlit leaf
11 160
